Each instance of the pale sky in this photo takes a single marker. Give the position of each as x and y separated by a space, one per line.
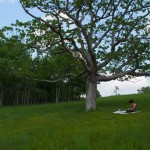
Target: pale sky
125 87
11 10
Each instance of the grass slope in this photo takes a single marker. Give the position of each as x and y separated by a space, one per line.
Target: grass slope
66 126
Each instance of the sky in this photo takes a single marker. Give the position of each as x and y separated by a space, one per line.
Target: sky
11 10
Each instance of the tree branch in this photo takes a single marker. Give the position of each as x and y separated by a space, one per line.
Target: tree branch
120 75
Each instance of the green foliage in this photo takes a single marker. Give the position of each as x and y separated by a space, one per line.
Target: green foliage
66 126
23 76
144 90
13 58
116 30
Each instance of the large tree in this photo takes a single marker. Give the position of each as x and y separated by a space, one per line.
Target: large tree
109 37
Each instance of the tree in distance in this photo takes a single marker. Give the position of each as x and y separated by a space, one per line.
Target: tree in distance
144 90
116 90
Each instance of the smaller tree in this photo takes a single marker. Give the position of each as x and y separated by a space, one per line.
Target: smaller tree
144 90
116 90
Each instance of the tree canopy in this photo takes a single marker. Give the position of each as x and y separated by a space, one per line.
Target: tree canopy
28 79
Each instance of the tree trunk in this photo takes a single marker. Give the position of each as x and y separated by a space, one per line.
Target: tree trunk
68 93
57 93
91 88
17 97
1 98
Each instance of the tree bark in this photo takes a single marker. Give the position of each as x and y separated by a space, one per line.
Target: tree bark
91 87
1 98
57 93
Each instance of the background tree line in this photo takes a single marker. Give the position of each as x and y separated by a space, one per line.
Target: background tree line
28 79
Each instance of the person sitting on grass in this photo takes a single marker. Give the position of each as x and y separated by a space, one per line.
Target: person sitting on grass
133 106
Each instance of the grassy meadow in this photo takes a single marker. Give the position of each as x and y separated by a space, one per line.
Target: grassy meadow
65 126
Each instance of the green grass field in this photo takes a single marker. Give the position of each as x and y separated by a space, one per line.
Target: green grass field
65 126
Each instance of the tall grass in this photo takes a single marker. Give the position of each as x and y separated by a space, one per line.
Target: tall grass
66 126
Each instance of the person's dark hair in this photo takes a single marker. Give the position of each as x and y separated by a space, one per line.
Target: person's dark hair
131 101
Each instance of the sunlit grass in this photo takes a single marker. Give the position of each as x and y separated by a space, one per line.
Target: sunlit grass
66 126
